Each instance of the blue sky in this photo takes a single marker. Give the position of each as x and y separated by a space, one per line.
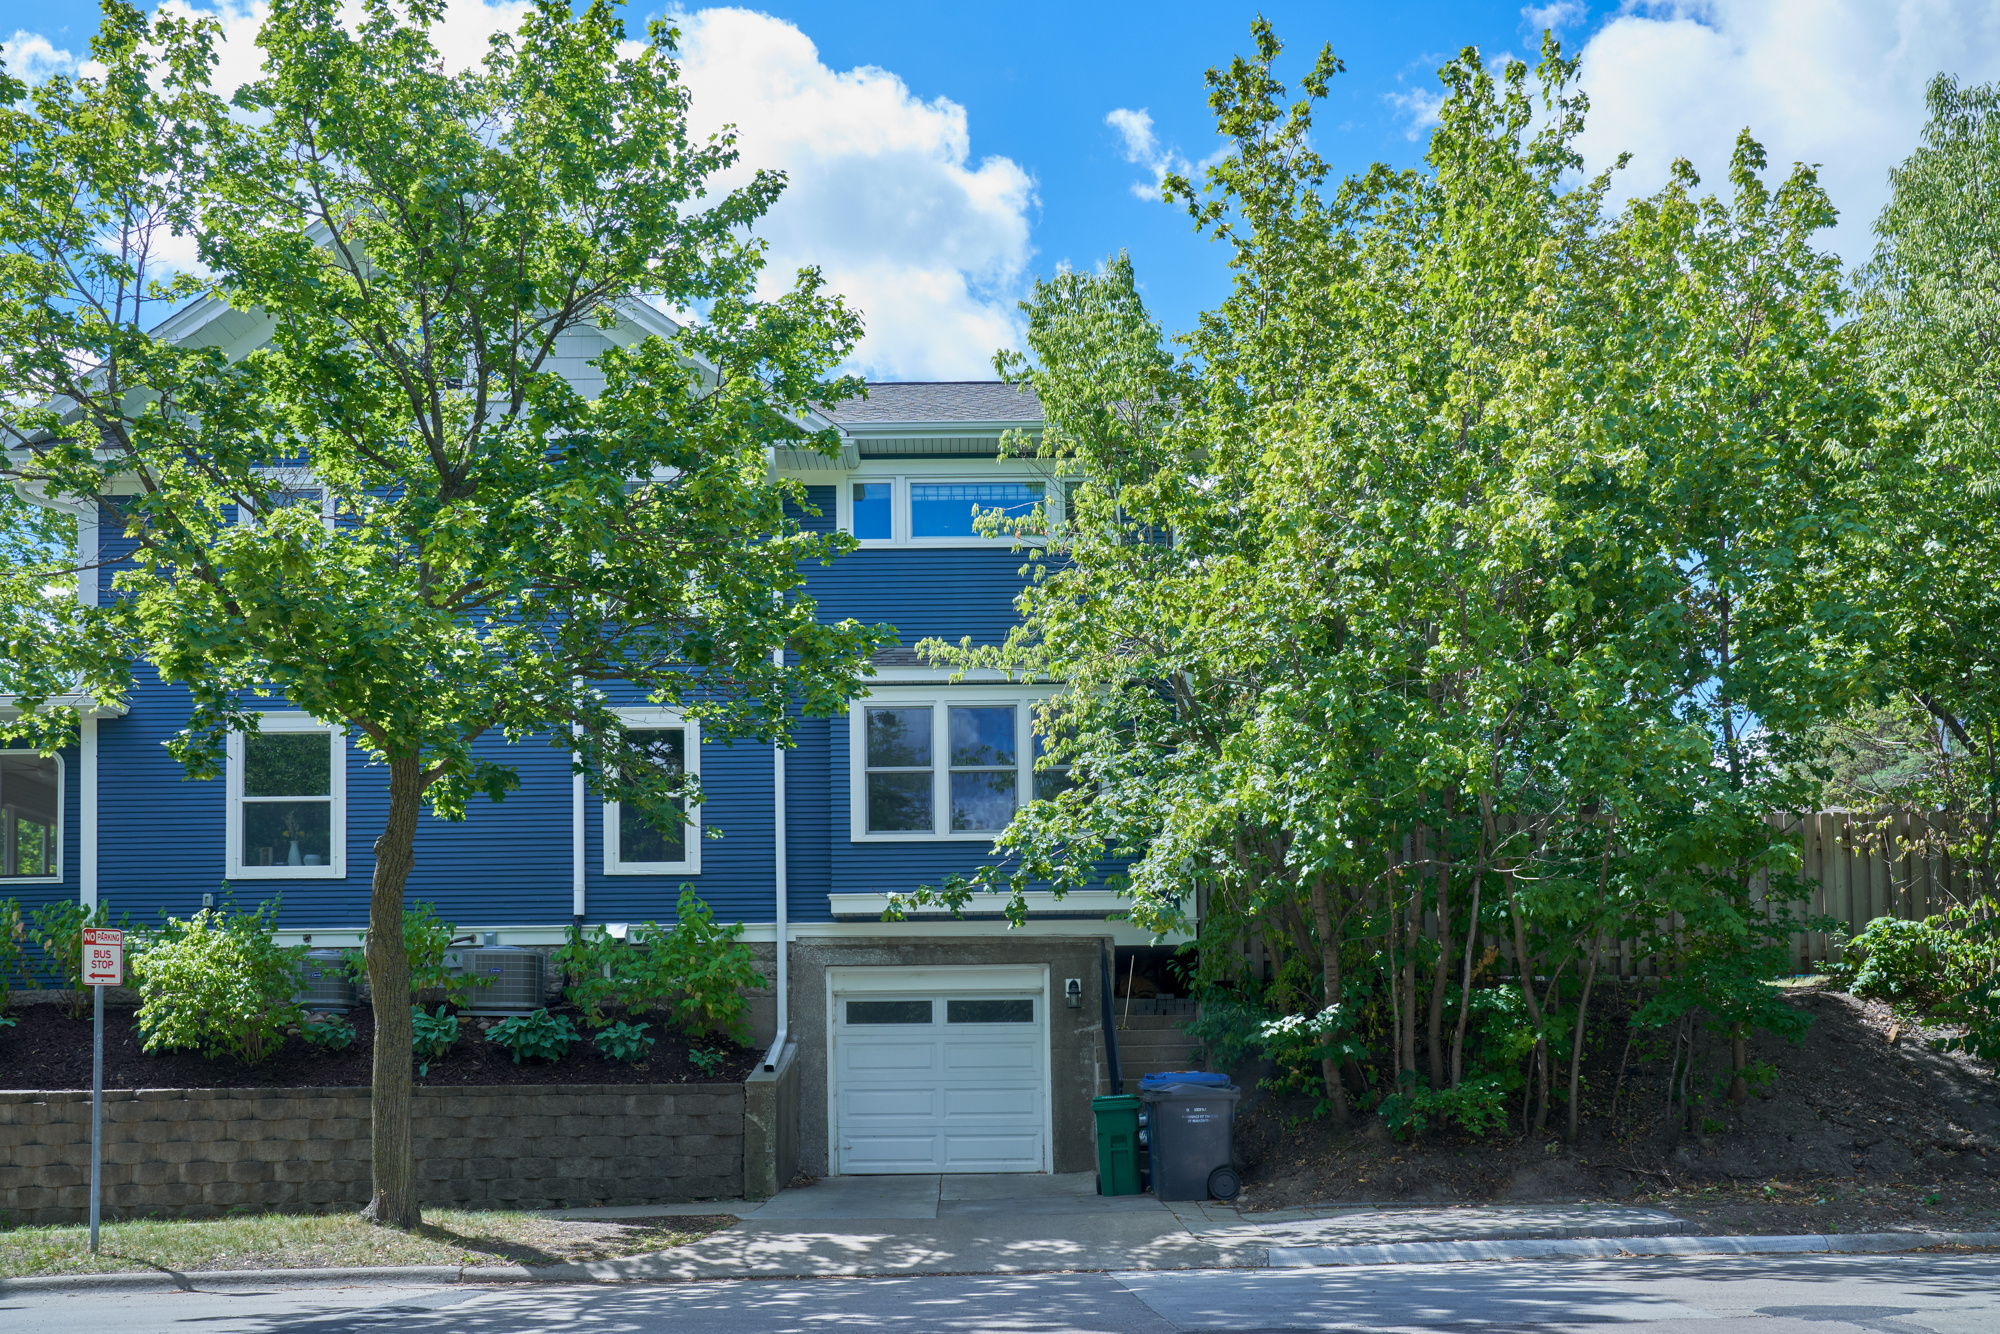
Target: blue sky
944 156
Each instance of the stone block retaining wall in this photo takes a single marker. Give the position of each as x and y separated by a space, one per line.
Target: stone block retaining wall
193 1153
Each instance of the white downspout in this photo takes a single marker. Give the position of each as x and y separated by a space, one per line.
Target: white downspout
781 891
87 549
576 849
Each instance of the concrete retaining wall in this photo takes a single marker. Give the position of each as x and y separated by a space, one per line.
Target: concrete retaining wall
200 1152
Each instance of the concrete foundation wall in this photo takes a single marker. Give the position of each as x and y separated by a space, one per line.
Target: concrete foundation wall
1076 1037
200 1152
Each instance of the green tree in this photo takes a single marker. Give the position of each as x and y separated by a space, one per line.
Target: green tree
1417 585
507 550
1928 568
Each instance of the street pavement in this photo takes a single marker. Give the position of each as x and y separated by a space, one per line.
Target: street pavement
1816 1294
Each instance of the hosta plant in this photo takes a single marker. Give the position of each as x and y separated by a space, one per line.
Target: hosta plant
540 1036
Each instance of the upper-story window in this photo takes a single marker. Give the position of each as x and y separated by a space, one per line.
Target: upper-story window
929 764
633 844
944 509
287 800
297 488
30 816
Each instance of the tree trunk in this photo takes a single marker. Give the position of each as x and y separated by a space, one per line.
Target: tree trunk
1739 1064
393 1202
1329 963
1540 1066
1576 1045
1465 991
1435 1025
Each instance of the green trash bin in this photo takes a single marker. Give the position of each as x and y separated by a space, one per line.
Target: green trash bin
1117 1144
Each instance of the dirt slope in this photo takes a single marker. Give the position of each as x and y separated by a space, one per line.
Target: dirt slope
1863 1127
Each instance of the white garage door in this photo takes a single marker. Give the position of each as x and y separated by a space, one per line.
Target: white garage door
944 1082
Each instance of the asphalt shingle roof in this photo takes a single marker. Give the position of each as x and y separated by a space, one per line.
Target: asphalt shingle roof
896 401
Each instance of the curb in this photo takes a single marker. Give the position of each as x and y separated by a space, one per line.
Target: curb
1281 1257
1460 1252
221 1278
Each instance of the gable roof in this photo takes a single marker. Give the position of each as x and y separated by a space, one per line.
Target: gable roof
896 402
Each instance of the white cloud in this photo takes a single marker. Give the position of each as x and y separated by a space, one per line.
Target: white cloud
1417 107
1144 148
1558 15
1834 82
31 56
883 195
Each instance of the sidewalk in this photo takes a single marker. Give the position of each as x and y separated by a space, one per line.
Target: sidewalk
872 1226
889 1226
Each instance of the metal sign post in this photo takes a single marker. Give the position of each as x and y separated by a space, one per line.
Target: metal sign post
103 966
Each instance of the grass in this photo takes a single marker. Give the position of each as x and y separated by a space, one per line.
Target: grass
338 1241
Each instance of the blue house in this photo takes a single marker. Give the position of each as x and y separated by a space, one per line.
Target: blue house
933 1044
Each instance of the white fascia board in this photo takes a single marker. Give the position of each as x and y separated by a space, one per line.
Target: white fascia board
87 705
765 933
951 426
1098 903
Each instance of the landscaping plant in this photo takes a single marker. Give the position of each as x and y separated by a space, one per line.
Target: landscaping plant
625 1043
328 1032
431 1035
13 932
426 942
697 970
540 1036
58 928
218 984
708 1060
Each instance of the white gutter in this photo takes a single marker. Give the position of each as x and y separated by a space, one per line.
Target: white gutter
781 890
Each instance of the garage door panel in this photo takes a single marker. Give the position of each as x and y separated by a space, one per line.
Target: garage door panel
1009 1102
872 1056
921 1102
991 1153
987 1058
888 1154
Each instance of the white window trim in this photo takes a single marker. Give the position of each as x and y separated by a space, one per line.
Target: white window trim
62 779
902 478
295 479
336 869
691 839
941 699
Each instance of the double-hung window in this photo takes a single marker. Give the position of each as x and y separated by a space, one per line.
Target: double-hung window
287 800
932 765
940 510
670 845
30 816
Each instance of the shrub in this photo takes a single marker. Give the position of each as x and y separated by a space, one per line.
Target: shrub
1297 1043
58 929
13 931
1228 1027
431 1036
697 971
625 1043
540 1036
1476 1105
327 1032
218 984
1918 963
708 1060
426 941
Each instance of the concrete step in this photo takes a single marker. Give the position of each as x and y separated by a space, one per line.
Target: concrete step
1148 1022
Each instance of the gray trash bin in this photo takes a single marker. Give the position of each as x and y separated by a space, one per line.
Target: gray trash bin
1188 1130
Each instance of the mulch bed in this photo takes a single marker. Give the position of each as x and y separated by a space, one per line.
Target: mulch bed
47 1049
1864 1128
